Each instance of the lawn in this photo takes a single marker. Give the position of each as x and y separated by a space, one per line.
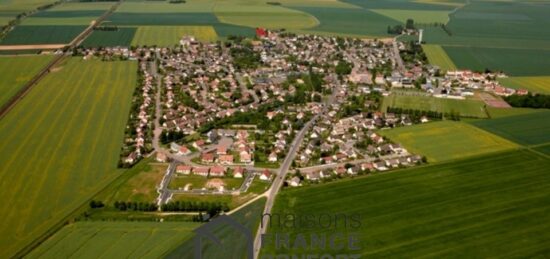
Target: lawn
490 206
141 187
437 56
537 84
526 129
115 240
171 35
234 243
447 140
60 145
466 108
18 70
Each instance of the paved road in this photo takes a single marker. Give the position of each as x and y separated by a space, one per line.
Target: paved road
163 191
397 57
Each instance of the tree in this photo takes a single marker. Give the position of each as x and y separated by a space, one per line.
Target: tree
409 24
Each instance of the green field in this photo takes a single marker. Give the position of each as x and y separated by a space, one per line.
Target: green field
466 108
171 35
446 140
419 16
545 149
437 56
234 243
505 112
491 206
9 9
180 181
115 240
538 84
60 145
16 71
122 37
38 34
526 129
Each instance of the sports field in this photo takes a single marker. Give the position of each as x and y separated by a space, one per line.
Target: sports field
526 129
490 206
16 71
234 243
171 35
467 108
115 240
60 145
446 140
537 84
437 56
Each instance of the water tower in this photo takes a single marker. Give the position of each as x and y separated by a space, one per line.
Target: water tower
420 32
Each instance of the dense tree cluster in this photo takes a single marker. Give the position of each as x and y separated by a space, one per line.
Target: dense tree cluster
245 58
529 100
96 204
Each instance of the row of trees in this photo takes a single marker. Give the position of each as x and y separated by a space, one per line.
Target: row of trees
212 208
135 206
415 115
529 101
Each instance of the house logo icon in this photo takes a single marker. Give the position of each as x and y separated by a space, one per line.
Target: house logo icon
207 230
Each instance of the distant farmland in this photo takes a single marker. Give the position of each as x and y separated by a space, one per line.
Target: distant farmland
467 108
60 145
526 129
490 206
16 71
446 140
115 240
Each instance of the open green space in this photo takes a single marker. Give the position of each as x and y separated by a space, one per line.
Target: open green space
490 206
437 56
60 145
526 129
38 34
9 9
18 70
115 240
234 243
537 84
466 108
181 181
545 149
171 35
446 140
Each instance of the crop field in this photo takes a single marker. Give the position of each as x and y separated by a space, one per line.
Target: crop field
122 37
499 35
60 145
9 9
505 112
263 15
234 242
115 240
468 108
437 56
526 129
514 62
16 71
538 84
545 149
446 140
63 17
489 206
38 34
419 16
171 35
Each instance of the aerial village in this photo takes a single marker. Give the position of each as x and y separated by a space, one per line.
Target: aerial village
234 109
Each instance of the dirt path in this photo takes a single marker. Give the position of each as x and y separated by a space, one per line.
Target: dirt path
30 47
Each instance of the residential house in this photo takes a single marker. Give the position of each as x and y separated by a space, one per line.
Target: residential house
272 157
238 172
265 176
207 158
161 157
217 171
294 182
183 169
226 159
202 171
